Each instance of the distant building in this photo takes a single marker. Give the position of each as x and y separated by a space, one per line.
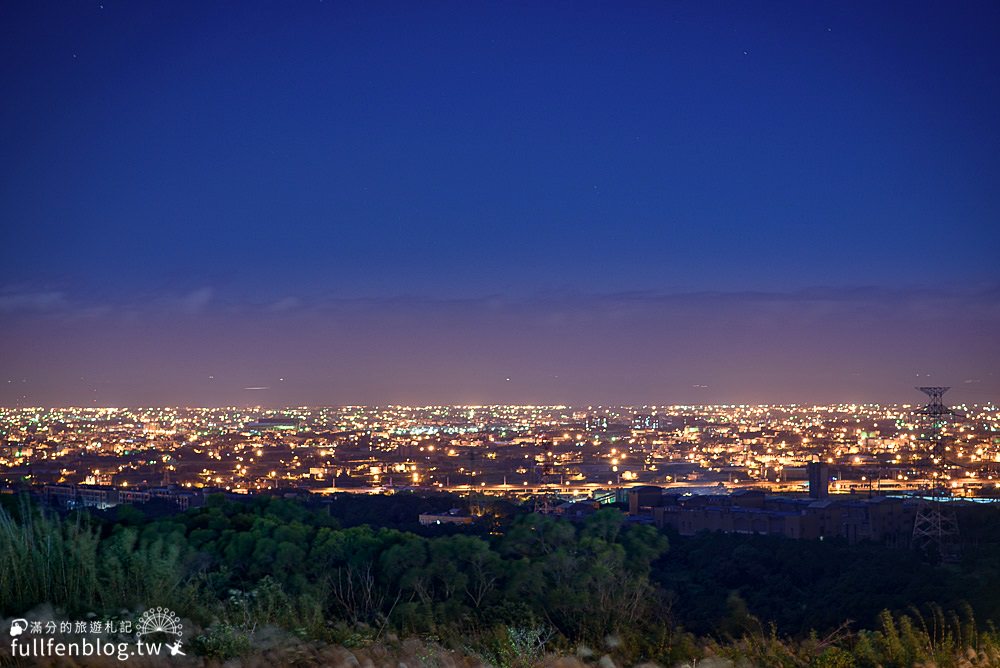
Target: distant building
101 497
645 422
453 516
880 519
644 497
576 510
819 480
280 424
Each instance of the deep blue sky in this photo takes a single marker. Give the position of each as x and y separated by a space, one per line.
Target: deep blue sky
383 201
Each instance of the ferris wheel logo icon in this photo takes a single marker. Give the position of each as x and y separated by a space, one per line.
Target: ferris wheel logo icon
158 620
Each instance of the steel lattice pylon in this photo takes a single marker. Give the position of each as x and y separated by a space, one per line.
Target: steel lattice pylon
936 404
935 527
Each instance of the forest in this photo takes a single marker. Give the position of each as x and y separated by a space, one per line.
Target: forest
510 589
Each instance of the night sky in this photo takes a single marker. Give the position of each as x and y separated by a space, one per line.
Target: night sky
316 202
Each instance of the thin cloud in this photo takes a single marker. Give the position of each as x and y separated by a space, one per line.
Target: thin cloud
917 301
196 301
284 305
32 302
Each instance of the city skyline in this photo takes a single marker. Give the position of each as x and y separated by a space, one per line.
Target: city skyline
505 450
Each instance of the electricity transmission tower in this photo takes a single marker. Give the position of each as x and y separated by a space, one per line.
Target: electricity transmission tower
935 528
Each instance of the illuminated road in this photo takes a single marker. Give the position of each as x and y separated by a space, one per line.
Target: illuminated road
587 489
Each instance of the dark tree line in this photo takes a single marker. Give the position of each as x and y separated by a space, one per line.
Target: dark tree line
320 571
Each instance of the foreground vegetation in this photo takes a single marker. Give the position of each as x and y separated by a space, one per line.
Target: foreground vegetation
513 590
